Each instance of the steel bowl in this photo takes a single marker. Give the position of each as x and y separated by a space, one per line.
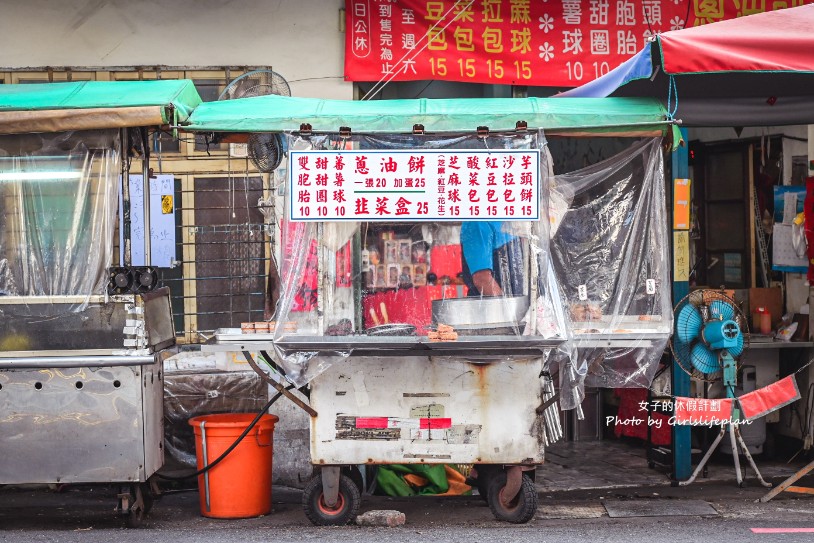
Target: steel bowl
485 312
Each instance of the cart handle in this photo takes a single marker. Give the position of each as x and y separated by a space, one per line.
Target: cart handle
42 362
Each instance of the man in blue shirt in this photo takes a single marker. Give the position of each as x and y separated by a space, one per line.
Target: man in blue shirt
492 260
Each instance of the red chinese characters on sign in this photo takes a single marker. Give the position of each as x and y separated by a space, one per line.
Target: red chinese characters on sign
420 185
525 42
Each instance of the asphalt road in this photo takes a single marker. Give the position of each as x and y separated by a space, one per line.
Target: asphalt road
86 514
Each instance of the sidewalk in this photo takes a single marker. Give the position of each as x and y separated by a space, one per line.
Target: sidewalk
612 464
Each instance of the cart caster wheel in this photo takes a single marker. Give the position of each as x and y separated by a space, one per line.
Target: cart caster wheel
135 502
135 517
345 510
521 509
485 475
147 497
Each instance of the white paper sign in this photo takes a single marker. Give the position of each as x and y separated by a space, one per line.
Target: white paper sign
417 185
162 225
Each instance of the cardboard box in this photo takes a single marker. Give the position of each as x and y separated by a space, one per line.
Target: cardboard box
750 299
769 298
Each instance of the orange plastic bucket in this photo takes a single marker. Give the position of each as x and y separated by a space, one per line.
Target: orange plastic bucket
240 485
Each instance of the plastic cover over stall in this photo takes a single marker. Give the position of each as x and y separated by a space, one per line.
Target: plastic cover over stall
610 256
58 193
318 298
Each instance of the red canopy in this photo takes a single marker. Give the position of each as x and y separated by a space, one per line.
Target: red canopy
777 41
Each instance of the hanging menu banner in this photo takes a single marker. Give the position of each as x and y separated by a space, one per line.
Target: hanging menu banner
420 185
516 42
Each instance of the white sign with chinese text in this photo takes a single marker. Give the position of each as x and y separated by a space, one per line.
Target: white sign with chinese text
419 185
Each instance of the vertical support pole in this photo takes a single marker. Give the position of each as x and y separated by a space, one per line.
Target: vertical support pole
356 259
124 152
145 172
322 275
680 381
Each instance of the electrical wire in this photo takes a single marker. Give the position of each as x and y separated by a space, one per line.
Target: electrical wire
687 16
387 78
316 78
425 88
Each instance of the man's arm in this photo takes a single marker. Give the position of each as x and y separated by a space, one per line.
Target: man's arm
486 284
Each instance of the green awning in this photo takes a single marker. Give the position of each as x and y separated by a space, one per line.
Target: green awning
48 107
627 116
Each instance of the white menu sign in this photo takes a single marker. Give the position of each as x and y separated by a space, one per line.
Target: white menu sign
418 185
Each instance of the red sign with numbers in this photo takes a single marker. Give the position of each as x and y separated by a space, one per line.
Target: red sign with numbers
516 42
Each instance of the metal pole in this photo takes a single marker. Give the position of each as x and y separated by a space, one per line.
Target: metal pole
145 172
127 259
680 381
205 464
46 362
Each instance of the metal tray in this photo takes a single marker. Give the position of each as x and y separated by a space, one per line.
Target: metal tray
234 334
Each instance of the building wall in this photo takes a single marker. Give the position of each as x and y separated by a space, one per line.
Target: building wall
300 39
791 147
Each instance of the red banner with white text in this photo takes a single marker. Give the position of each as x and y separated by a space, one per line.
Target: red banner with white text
561 43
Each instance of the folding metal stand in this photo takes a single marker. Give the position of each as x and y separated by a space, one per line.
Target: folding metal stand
730 379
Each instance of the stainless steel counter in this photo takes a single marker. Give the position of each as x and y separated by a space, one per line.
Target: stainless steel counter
384 345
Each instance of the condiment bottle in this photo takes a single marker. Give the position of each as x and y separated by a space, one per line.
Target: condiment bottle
762 320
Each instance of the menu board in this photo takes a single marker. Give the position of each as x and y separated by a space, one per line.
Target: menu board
421 185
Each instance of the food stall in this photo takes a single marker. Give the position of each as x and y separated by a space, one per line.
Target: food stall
81 342
389 214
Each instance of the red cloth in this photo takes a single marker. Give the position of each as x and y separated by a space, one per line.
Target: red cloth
446 260
631 401
406 306
769 398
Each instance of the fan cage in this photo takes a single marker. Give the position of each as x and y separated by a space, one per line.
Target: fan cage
702 299
265 150
256 83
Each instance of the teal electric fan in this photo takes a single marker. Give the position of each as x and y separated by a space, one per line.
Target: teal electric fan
710 337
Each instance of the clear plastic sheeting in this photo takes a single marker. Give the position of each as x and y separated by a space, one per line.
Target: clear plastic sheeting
611 262
357 286
58 197
188 394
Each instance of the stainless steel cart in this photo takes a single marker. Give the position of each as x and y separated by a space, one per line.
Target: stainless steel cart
407 400
78 415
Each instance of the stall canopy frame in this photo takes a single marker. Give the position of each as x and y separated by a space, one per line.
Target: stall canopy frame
632 117
90 105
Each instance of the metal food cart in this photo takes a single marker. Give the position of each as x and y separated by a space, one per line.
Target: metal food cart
82 343
393 393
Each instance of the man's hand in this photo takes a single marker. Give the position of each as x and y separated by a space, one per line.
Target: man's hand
486 284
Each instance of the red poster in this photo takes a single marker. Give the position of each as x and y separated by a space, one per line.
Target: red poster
562 43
